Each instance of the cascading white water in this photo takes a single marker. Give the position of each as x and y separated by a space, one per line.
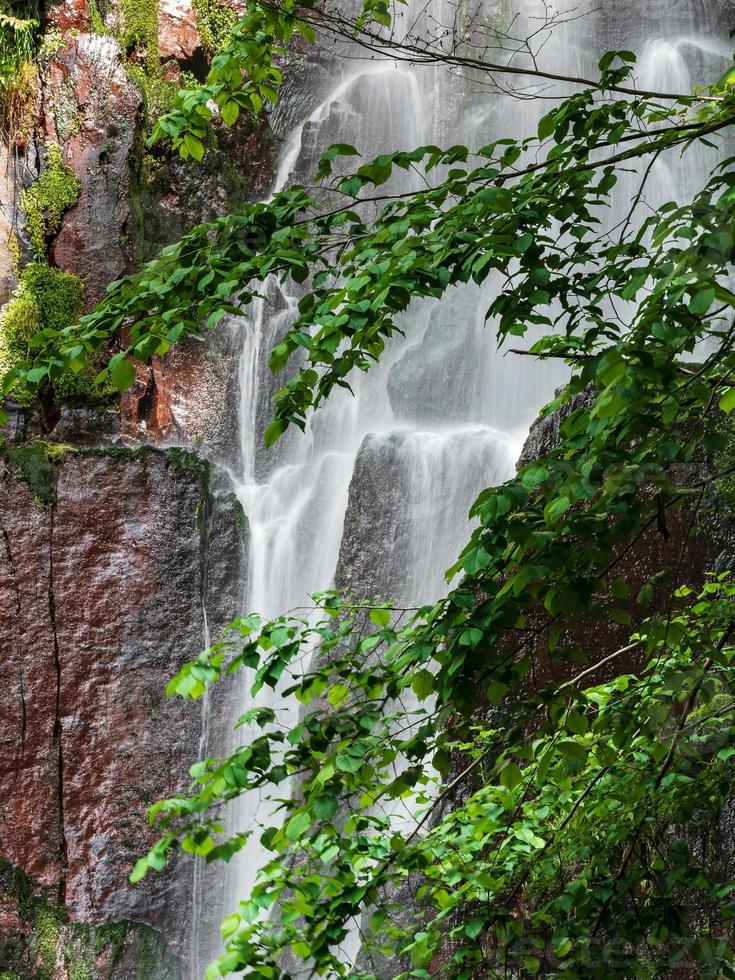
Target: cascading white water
449 409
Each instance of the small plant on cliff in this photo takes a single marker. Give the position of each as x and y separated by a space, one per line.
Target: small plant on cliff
20 321
548 803
18 75
55 191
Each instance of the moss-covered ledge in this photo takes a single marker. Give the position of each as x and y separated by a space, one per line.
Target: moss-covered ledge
36 462
38 941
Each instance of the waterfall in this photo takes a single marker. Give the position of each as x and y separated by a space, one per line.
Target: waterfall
446 412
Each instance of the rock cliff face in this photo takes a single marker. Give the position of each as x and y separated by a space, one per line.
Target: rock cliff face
115 557
103 567
91 110
103 75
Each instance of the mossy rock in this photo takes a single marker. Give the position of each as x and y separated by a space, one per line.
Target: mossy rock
47 940
58 295
140 32
35 463
215 21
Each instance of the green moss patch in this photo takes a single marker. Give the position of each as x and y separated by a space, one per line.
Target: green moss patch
56 190
187 465
58 295
35 463
20 320
46 941
140 32
214 23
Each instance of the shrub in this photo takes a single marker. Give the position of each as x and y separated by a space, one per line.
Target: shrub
18 76
46 298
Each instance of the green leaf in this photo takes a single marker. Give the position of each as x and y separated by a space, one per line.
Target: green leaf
194 146
338 695
442 762
576 723
619 589
645 595
274 432
727 401
381 617
573 750
511 776
343 150
122 373
298 825
496 691
422 684
325 807
533 476
556 509
470 637
230 111
702 300
140 870
37 374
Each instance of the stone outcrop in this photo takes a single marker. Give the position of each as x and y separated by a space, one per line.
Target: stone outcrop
91 109
104 77
104 561
178 36
375 514
189 396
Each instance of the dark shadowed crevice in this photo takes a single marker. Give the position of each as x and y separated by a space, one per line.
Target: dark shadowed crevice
58 732
23 722
196 64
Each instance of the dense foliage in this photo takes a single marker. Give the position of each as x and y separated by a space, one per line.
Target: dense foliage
547 815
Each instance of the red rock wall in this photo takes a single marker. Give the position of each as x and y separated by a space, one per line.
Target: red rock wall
100 603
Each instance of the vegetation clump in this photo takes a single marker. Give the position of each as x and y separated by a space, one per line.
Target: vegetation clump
140 33
46 299
215 21
35 463
20 321
18 74
46 939
47 944
56 190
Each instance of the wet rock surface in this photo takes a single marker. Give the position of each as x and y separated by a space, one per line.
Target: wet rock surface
371 557
102 598
188 397
91 110
178 36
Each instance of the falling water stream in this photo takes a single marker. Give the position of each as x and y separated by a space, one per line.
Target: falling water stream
445 412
